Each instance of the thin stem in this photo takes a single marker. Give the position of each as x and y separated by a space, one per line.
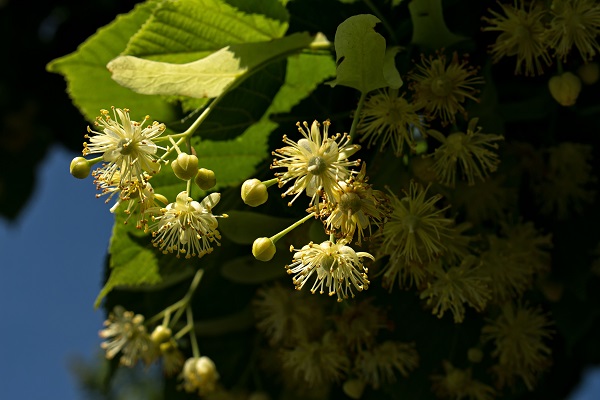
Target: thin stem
270 182
182 332
188 188
361 102
291 227
193 339
95 160
180 304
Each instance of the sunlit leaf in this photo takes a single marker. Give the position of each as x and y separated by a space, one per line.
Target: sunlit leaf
207 77
88 81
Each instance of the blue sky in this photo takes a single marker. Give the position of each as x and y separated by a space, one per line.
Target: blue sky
52 268
52 261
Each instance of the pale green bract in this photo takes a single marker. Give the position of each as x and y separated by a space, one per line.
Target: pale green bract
205 78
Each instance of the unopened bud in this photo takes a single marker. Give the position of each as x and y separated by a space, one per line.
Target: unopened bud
254 192
161 334
263 249
167 347
80 168
205 179
589 73
185 166
565 88
474 355
354 388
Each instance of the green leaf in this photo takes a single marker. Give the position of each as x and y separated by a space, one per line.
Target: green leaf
207 77
390 72
136 264
186 30
429 26
88 81
242 227
304 73
131 263
235 160
361 56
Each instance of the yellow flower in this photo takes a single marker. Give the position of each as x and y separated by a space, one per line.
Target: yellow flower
518 334
486 201
575 22
522 34
356 207
458 384
511 261
452 288
337 267
314 163
360 323
286 316
441 88
126 334
315 363
416 227
127 146
140 197
378 366
388 118
565 186
470 151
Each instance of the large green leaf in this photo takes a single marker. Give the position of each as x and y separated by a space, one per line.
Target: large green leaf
88 81
187 30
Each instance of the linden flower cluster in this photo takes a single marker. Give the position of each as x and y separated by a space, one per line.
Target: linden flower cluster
531 32
130 154
341 197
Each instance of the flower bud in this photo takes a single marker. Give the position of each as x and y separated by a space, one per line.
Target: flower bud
589 73
254 192
474 355
80 168
161 334
565 88
185 166
354 388
205 179
263 249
